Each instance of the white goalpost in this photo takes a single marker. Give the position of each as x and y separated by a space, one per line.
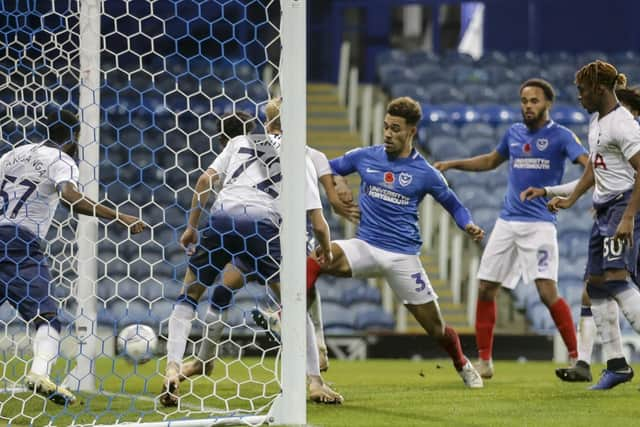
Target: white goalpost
149 81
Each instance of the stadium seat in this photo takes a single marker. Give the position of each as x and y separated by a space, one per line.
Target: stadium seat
492 57
485 217
446 148
329 292
434 114
358 294
508 92
523 58
389 73
416 58
500 74
452 57
583 58
374 320
439 129
472 195
444 94
558 57
495 114
478 94
408 89
471 130
525 70
461 113
469 74
430 73
540 318
391 56
567 114
480 144
337 316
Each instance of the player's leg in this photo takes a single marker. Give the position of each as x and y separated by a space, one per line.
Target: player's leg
319 391
340 266
496 268
410 283
29 293
560 313
581 370
315 311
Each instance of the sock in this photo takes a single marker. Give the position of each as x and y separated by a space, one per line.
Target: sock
618 365
450 342
315 311
608 327
485 322
629 302
45 349
586 334
179 328
213 331
313 361
313 271
561 314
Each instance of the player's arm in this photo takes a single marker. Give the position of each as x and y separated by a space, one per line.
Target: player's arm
480 163
83 205
441 192
322 234
340 197
205 184
625 227
585 183
560 190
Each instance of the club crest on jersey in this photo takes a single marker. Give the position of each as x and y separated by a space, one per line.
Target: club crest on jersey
389 178
405 179
542 144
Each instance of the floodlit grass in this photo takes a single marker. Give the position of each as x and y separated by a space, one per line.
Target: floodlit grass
377 393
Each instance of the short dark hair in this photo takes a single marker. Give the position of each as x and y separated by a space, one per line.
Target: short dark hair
62 125
546 87
407 108
629 96
234 124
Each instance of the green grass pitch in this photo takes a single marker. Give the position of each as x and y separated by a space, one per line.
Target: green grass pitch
377 393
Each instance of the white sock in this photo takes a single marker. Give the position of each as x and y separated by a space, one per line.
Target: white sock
629 302
45 349
606 318
315 311
313 361
586 337
213 332
179 328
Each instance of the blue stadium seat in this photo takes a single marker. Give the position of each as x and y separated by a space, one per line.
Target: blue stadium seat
559 74
444 93
485 217
583 58
440 128
567 114
492 57
500 74
446 148
452 57
523 58
480 144
471 130
558 57
374 320
472 195
508 92
359 294
329 292
620 59
430 73
525 71
571 291
467 74
458 178
416 58
409 89
434 114
478 94
337 316
540 319
389 73
391 56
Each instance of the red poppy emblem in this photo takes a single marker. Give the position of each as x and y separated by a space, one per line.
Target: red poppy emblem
526 148
389 178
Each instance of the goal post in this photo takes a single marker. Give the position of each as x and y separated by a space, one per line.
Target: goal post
150 80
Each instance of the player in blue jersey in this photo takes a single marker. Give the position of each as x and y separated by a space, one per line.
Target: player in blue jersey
395 178
523 241
34 177
581 371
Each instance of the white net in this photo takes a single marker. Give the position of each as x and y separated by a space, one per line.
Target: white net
169 71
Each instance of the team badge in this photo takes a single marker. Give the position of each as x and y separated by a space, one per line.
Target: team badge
405 179
389 177
526 148
542 144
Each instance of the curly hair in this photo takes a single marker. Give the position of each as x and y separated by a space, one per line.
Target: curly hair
407 108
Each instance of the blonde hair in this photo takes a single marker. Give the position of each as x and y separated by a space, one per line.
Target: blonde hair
601 73
272 111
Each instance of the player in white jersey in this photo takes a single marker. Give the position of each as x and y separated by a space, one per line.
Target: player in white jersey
614 143
247 213
33 178
581 370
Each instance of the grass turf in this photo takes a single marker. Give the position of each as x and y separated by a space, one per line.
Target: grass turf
377 393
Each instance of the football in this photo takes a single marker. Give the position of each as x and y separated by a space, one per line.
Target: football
137 343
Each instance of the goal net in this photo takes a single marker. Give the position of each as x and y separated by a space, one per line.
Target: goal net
150 81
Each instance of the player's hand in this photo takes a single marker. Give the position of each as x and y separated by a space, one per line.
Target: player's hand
442 166
531 193
347 210
189 239
134 224
558 203
344 192
624 232
324 256
476 233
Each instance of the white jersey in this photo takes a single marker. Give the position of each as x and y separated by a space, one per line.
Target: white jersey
320 162
613 140
29 176
252 177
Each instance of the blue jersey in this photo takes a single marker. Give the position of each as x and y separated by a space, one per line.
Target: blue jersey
536 159
391 190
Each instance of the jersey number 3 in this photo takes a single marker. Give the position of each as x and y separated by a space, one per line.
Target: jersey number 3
30 188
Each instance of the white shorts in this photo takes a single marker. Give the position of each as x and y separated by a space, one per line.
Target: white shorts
518 248
404 273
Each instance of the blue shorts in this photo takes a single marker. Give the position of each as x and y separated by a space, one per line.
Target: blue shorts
249 243
24 273
606 253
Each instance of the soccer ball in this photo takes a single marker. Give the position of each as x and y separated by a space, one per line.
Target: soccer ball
137 343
